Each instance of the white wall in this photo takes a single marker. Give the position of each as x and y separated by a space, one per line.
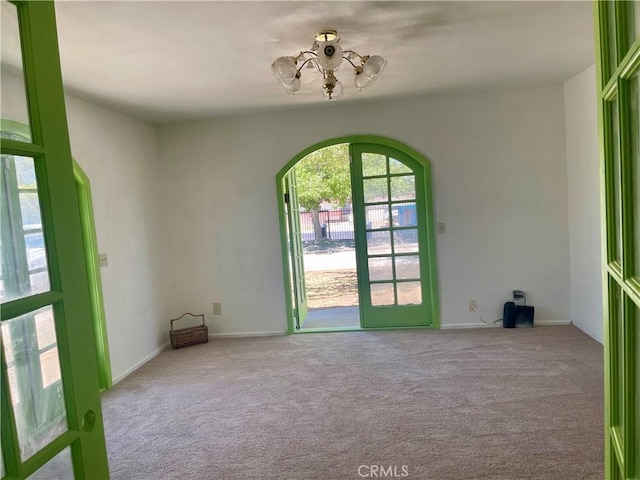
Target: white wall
500 183
584 202
119 155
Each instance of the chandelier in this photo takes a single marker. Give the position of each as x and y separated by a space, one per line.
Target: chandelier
326 56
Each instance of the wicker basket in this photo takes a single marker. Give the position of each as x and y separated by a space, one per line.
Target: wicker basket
183 337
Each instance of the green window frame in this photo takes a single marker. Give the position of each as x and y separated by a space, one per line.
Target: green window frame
617 27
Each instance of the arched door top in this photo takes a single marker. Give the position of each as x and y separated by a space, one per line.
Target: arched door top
420 206
354 140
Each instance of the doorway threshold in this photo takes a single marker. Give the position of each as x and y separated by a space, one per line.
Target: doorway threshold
329 329
360 329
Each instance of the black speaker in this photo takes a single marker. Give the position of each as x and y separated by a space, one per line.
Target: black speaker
524 316
509 315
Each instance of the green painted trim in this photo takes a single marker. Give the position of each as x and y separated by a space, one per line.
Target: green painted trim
90 240
632 67
13 147
623 69
622 400
43 456
353 140
18 307
599 34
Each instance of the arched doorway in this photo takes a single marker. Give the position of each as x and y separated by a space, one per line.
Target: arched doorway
393 230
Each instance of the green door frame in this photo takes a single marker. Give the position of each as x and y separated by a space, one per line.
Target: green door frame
617 29
67 298
295 249
92 257
429 254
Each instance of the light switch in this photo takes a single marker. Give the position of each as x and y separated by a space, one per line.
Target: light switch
441 227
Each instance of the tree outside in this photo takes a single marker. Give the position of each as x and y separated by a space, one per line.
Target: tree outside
323 175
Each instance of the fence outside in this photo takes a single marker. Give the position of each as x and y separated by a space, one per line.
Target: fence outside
338 224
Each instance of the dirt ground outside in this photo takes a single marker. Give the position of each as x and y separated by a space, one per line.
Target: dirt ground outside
332 288
338 287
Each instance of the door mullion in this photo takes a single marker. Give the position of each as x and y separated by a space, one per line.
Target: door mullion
21 306
24 149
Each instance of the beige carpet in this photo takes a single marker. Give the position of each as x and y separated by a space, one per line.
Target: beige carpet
466 404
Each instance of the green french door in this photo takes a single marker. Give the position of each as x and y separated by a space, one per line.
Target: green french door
50 402
390 213
296 256
618 76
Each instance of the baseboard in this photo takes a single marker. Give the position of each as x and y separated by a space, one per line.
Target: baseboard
141 363
543 323
469 325
537 323
246 334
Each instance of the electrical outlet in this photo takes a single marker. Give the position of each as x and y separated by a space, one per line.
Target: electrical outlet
473 305
441 227
104 262
217 308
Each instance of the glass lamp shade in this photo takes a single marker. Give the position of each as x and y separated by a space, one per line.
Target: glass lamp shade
284 69
361 81
335 92
374 66
371 70
291 87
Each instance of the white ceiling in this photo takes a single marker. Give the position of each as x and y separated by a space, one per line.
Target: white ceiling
182 60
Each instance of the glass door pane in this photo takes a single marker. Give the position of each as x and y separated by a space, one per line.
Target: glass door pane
634 152
609 48
616 336
24 257
35 382
14 97
613 180
59 467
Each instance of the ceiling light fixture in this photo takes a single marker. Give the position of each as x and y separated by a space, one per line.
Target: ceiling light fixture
326 56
